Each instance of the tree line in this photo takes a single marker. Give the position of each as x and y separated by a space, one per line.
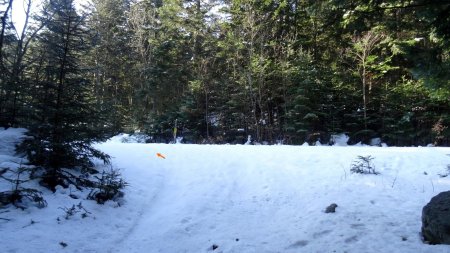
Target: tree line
289 71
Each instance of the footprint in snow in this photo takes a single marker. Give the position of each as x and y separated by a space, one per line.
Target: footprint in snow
351 239
321 233
298 244
357 226
185 220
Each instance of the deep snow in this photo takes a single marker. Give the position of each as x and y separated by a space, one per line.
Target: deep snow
241 198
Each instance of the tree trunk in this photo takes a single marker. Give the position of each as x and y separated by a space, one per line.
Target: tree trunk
364 96
2 34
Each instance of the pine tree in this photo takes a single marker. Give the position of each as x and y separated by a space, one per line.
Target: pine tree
111 56
65 121
6 38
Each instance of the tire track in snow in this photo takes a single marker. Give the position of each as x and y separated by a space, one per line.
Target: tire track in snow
171 210
136 166
192 211
144 209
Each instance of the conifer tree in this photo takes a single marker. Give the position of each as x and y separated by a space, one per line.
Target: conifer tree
112 56
65 122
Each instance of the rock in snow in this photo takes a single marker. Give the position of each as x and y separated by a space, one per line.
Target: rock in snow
331 208
436 219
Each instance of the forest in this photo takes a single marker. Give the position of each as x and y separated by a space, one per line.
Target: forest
216 71
78 78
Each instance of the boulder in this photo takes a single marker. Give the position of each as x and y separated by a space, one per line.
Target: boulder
436 219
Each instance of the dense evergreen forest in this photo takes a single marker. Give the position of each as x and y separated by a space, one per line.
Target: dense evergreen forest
285 71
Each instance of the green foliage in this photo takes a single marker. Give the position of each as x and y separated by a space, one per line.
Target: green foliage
107 187
290 71
20 195
64 122
364 165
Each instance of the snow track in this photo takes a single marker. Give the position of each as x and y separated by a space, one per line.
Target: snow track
271 198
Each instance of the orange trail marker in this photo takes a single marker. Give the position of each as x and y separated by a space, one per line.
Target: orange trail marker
160 155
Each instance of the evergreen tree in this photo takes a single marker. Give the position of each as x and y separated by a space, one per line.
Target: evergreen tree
65 122
277 70
113 73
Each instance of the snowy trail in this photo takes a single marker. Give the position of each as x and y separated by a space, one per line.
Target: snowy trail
202 196
196 197
237 199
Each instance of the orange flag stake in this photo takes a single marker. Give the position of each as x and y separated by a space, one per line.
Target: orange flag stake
160 155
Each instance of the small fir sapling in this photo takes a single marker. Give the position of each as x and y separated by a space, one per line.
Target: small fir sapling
363 165
18 195
69 212
108 187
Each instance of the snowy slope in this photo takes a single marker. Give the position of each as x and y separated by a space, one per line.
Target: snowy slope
237 198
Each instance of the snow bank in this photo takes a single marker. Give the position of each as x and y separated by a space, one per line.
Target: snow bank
9 138
340 139
130 138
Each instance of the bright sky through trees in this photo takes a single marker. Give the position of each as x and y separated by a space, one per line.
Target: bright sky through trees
19 10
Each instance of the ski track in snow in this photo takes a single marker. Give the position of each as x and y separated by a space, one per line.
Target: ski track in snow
216 195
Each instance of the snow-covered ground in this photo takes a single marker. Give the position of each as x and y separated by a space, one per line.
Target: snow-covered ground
238 198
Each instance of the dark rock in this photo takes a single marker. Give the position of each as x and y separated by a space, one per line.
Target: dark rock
436 219
331 208
73 196
214 247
